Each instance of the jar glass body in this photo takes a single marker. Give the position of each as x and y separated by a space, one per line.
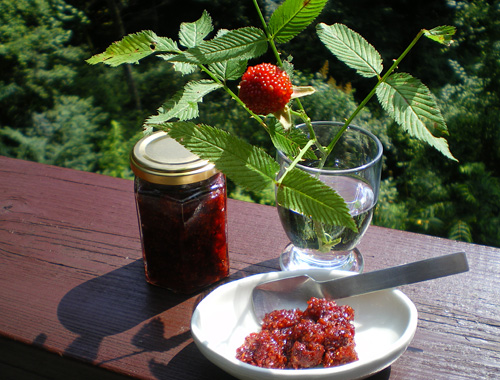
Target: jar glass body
183 233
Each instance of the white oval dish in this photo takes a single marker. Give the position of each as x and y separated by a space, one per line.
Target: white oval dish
385 323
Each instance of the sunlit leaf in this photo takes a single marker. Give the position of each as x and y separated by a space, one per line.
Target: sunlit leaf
290 141
351 48
133 48
441 34
243 43
184 68
184 104
292 17
252 168
229 70
243 163
193 33
414 108
303 193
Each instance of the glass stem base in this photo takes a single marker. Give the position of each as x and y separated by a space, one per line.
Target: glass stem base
298 258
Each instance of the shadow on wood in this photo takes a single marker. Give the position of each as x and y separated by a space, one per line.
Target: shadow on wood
111 304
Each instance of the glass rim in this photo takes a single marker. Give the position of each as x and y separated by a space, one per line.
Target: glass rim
374 161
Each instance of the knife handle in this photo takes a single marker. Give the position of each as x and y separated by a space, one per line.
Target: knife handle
411 273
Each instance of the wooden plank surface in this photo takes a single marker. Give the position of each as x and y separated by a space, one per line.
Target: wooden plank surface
72 288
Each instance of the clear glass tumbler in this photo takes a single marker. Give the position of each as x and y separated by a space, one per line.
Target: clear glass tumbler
353 169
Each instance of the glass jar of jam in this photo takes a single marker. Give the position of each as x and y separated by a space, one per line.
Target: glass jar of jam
181 207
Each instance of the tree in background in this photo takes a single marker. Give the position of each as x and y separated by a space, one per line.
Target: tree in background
56 109
41 116
459 201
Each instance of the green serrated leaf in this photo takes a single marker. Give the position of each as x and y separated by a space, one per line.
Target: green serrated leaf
181 67
244 43
352 49
184 104
165 44
254 169
414 108
290 142
243 163
302 193
184 68
292 17
133 48
193 33
229 70
441 34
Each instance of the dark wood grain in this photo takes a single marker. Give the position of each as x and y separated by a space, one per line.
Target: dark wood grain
73 299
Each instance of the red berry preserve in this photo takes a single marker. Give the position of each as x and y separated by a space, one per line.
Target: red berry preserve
181 207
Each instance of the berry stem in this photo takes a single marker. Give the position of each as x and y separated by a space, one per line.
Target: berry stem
303 115
262 20
312 134
270 38
296 160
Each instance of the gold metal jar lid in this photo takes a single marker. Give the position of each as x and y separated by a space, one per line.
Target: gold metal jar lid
159 159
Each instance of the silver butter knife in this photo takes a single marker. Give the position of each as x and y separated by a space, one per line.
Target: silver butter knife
282 293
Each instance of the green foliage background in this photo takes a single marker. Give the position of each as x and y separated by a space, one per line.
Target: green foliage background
56 109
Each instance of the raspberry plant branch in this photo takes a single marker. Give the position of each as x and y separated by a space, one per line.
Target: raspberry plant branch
302 114
268 34
373 91
297 159
224 58
405 98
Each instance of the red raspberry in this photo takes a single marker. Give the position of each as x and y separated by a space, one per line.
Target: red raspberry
265 89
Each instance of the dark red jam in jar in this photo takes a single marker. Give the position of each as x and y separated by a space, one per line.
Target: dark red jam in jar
181 207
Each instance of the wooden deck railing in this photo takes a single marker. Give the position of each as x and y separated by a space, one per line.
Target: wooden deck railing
74 303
